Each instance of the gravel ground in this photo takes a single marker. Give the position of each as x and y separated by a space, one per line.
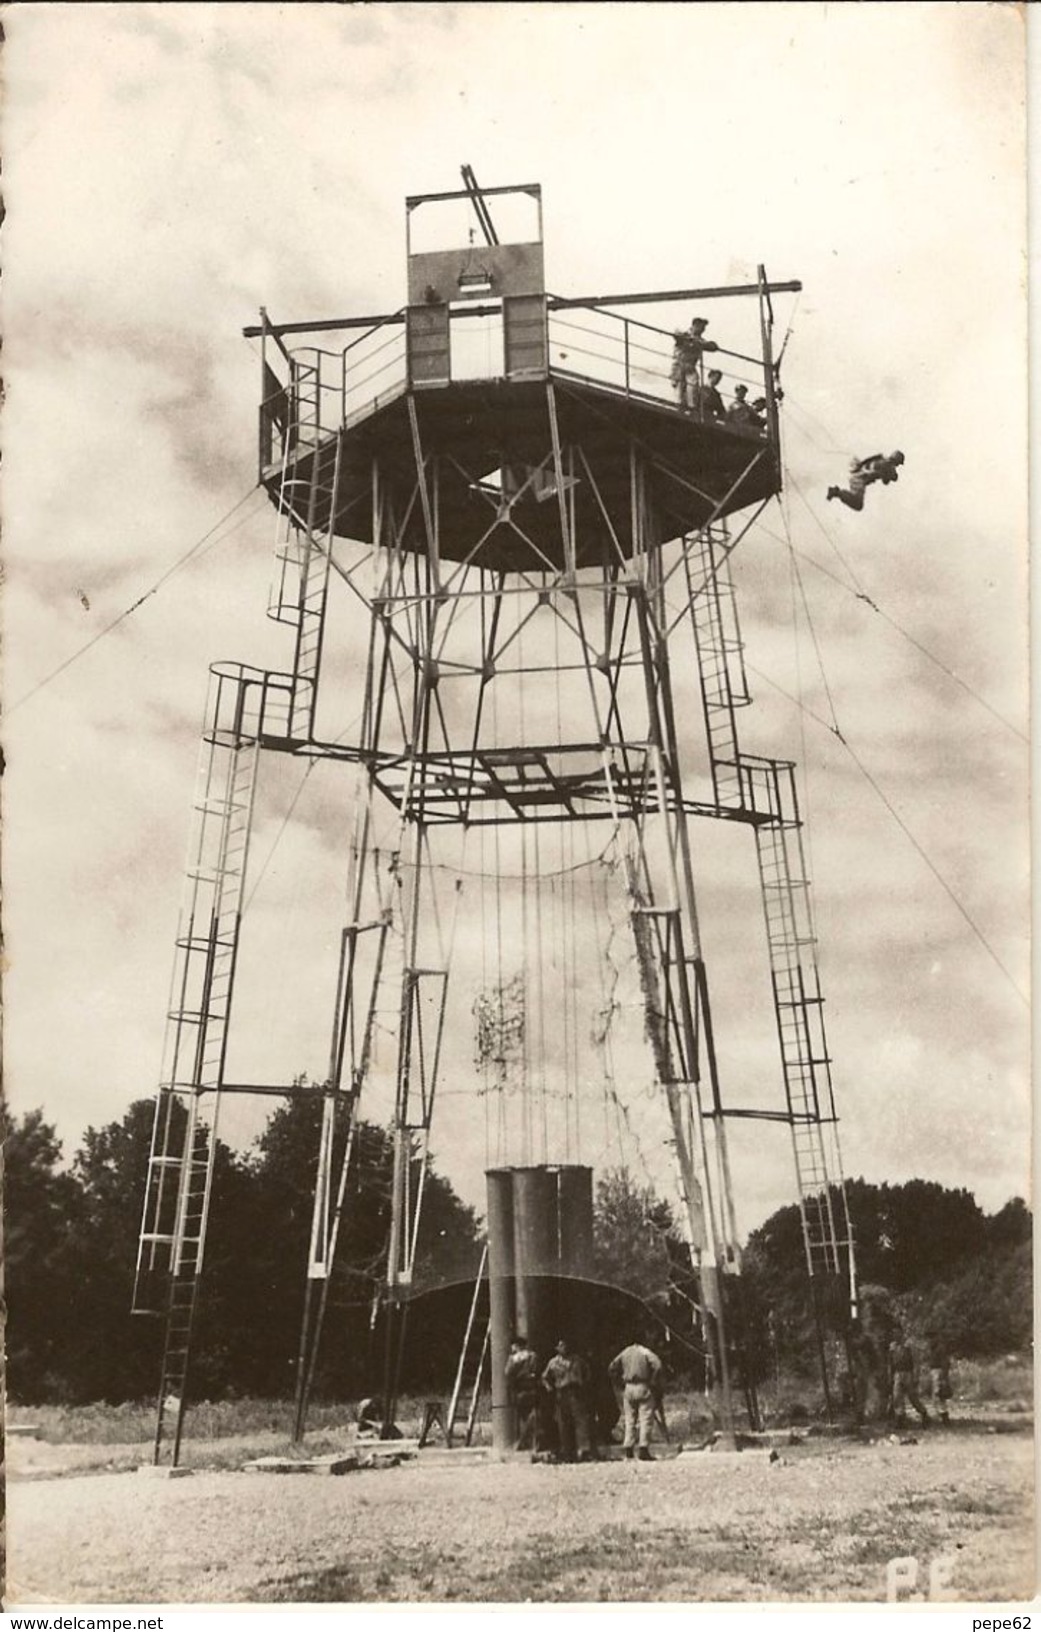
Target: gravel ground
820 1524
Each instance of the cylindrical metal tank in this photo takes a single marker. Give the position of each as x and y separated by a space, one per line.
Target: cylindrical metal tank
575 1188
540 1255
575 1226
502 1300
535 1254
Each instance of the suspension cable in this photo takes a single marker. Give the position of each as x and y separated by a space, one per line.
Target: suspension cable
196 549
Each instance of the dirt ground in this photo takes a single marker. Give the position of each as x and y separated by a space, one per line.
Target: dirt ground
821 1523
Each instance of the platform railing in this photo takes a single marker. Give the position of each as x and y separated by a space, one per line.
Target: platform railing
635 358
314 391
310 392
246 704
374 371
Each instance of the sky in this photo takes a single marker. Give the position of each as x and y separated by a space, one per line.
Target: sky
171 169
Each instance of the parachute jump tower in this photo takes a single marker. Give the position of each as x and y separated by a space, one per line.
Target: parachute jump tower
535 539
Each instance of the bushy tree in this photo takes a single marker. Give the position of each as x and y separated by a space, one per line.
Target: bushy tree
634 1237
1012 1226
929 1250
284 1169
43 1218
117 1354
984 1310
910 1234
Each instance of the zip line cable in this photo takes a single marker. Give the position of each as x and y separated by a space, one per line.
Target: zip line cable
265 864
836 731
898 819
195 550
797 582
792 405
860 594
858 588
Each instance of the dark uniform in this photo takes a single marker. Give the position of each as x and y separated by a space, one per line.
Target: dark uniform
566 1379
522 1378
940 1390
708 404
905 1387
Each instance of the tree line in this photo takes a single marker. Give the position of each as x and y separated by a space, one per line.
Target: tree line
71 1247
71 1237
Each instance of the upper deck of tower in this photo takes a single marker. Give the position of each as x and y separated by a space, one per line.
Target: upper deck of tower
518 397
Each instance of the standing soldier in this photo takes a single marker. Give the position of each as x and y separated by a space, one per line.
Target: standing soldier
638 1370
690 347
741 416
905 1387
522 1380
707 402
566 1379
940 1378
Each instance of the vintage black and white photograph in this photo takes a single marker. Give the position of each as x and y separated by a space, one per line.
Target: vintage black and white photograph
515 804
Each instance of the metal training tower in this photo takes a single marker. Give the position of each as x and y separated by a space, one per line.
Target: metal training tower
534 537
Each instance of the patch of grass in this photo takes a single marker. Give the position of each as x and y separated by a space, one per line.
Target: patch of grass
337 1584
133 1422
1007 1381
983 1506
128 1424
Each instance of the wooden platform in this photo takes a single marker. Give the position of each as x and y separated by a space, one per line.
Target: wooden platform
341 1462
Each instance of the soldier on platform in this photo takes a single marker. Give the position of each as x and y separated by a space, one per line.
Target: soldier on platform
566 1380
638 1371
522 1379
707 402
690 347
741 416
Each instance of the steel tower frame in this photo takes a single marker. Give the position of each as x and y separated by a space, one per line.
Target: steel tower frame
602 507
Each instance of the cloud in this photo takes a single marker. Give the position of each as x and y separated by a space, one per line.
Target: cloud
214 159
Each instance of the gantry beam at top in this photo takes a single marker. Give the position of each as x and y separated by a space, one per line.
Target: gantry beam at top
555 303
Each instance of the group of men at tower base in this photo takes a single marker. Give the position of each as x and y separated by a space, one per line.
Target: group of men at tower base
885 1372
559 1408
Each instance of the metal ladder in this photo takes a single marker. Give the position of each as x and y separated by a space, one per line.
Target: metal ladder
307 503
798 1003
472 1360
306 402
766 790
717 634
315 555
184 1134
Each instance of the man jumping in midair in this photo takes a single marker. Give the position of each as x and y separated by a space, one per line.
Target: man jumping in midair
877 467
